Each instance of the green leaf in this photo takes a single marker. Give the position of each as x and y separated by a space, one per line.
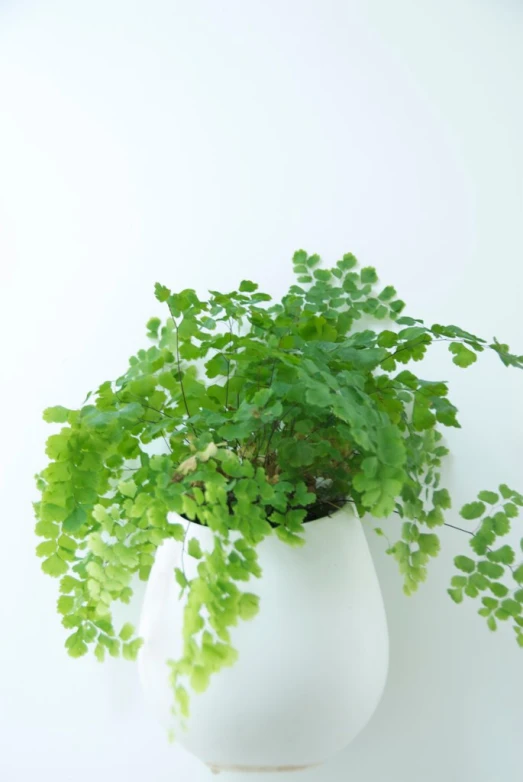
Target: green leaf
95 570
56 415
456 595
299 257
397 306
189 506
152 326
512 607
46 529
500 590
387 339
389 292
505 492
479 544
161 292
370 466
435 517
248 606
491 623
235 431
463 357
501 524
379 494
465 564
470 590
75 520
488 496
297 453
130 650
194 549
313 260
217 365
246 286
412 332
75 645
182 700
199 679
54 566
347 263
46 548
126 632
68 583
518 574
391 448
490 569
445 412
422 417
65 604
128 488
318 395
479 581
181 578
290 538
441 498
472 510
368 275
505 555
429 544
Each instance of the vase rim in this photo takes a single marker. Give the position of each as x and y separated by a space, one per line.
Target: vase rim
344 509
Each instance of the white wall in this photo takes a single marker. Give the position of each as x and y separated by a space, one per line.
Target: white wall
199 142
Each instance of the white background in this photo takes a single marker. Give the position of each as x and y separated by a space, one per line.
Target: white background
200 142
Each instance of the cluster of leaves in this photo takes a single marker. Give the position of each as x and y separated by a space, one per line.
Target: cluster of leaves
494 568
271 414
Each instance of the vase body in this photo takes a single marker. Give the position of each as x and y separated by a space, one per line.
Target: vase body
312 664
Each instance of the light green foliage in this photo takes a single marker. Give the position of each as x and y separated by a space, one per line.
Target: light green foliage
298 410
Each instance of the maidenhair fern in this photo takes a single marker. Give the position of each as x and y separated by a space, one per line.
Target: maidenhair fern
269 414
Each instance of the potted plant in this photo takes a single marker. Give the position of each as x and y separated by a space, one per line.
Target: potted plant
280 426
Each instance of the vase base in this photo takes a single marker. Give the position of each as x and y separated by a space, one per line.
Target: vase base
259 769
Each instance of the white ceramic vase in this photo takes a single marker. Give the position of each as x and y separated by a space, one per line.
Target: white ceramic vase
312 664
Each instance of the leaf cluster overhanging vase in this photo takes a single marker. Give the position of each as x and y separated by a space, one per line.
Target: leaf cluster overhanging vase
311 669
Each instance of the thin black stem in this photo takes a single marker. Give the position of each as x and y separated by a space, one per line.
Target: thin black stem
155 409
413 343
167 443
275 426
180 373
420 341
180 368
445 524
227 385
228 372
466 531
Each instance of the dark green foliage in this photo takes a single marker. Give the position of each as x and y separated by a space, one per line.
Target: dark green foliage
297 410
